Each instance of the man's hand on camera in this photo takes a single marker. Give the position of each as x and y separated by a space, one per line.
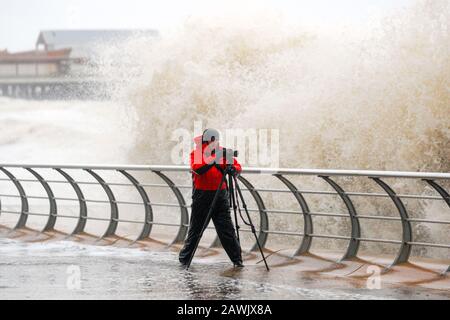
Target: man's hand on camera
233 171
212 156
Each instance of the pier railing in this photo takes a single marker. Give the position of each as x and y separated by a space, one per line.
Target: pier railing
129 173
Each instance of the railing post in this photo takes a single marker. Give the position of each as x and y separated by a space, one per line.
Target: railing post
308 222
444 194
353 246
23 200
51 198
79 228
405 248
184 221
114 216
145 233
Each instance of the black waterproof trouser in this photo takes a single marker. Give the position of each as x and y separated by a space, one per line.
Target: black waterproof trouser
201 203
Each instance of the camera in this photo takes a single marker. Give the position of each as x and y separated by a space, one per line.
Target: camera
229 155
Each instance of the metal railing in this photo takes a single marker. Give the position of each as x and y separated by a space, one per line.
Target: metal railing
354 238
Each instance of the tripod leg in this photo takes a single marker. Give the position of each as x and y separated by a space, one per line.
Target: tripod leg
208 218
233 203
252 226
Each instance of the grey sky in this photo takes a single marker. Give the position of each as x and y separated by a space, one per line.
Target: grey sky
21 20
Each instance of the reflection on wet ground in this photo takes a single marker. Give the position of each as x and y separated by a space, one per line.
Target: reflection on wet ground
67 270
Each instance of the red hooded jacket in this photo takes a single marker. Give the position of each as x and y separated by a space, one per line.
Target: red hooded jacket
211 179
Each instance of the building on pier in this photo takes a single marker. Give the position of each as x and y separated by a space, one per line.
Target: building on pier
34 63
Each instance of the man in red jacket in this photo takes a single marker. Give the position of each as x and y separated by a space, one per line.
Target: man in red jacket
208 164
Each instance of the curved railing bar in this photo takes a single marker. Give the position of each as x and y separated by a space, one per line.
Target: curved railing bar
23 199
353 246
444 194
405 248
51 198
145 233
308 222
183 230
112 227
264 220
81 224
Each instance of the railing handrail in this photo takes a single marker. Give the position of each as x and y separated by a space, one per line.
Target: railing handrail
246 170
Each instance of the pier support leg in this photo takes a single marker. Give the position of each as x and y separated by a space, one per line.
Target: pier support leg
29 92
39 92
33 92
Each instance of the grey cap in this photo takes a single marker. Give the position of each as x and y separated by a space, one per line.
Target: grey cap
210 135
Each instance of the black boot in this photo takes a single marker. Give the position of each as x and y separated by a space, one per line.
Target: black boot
183 262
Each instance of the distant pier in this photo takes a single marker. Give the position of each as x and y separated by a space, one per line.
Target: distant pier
64 64
38 88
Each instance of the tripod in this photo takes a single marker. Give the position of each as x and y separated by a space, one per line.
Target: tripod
234 193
